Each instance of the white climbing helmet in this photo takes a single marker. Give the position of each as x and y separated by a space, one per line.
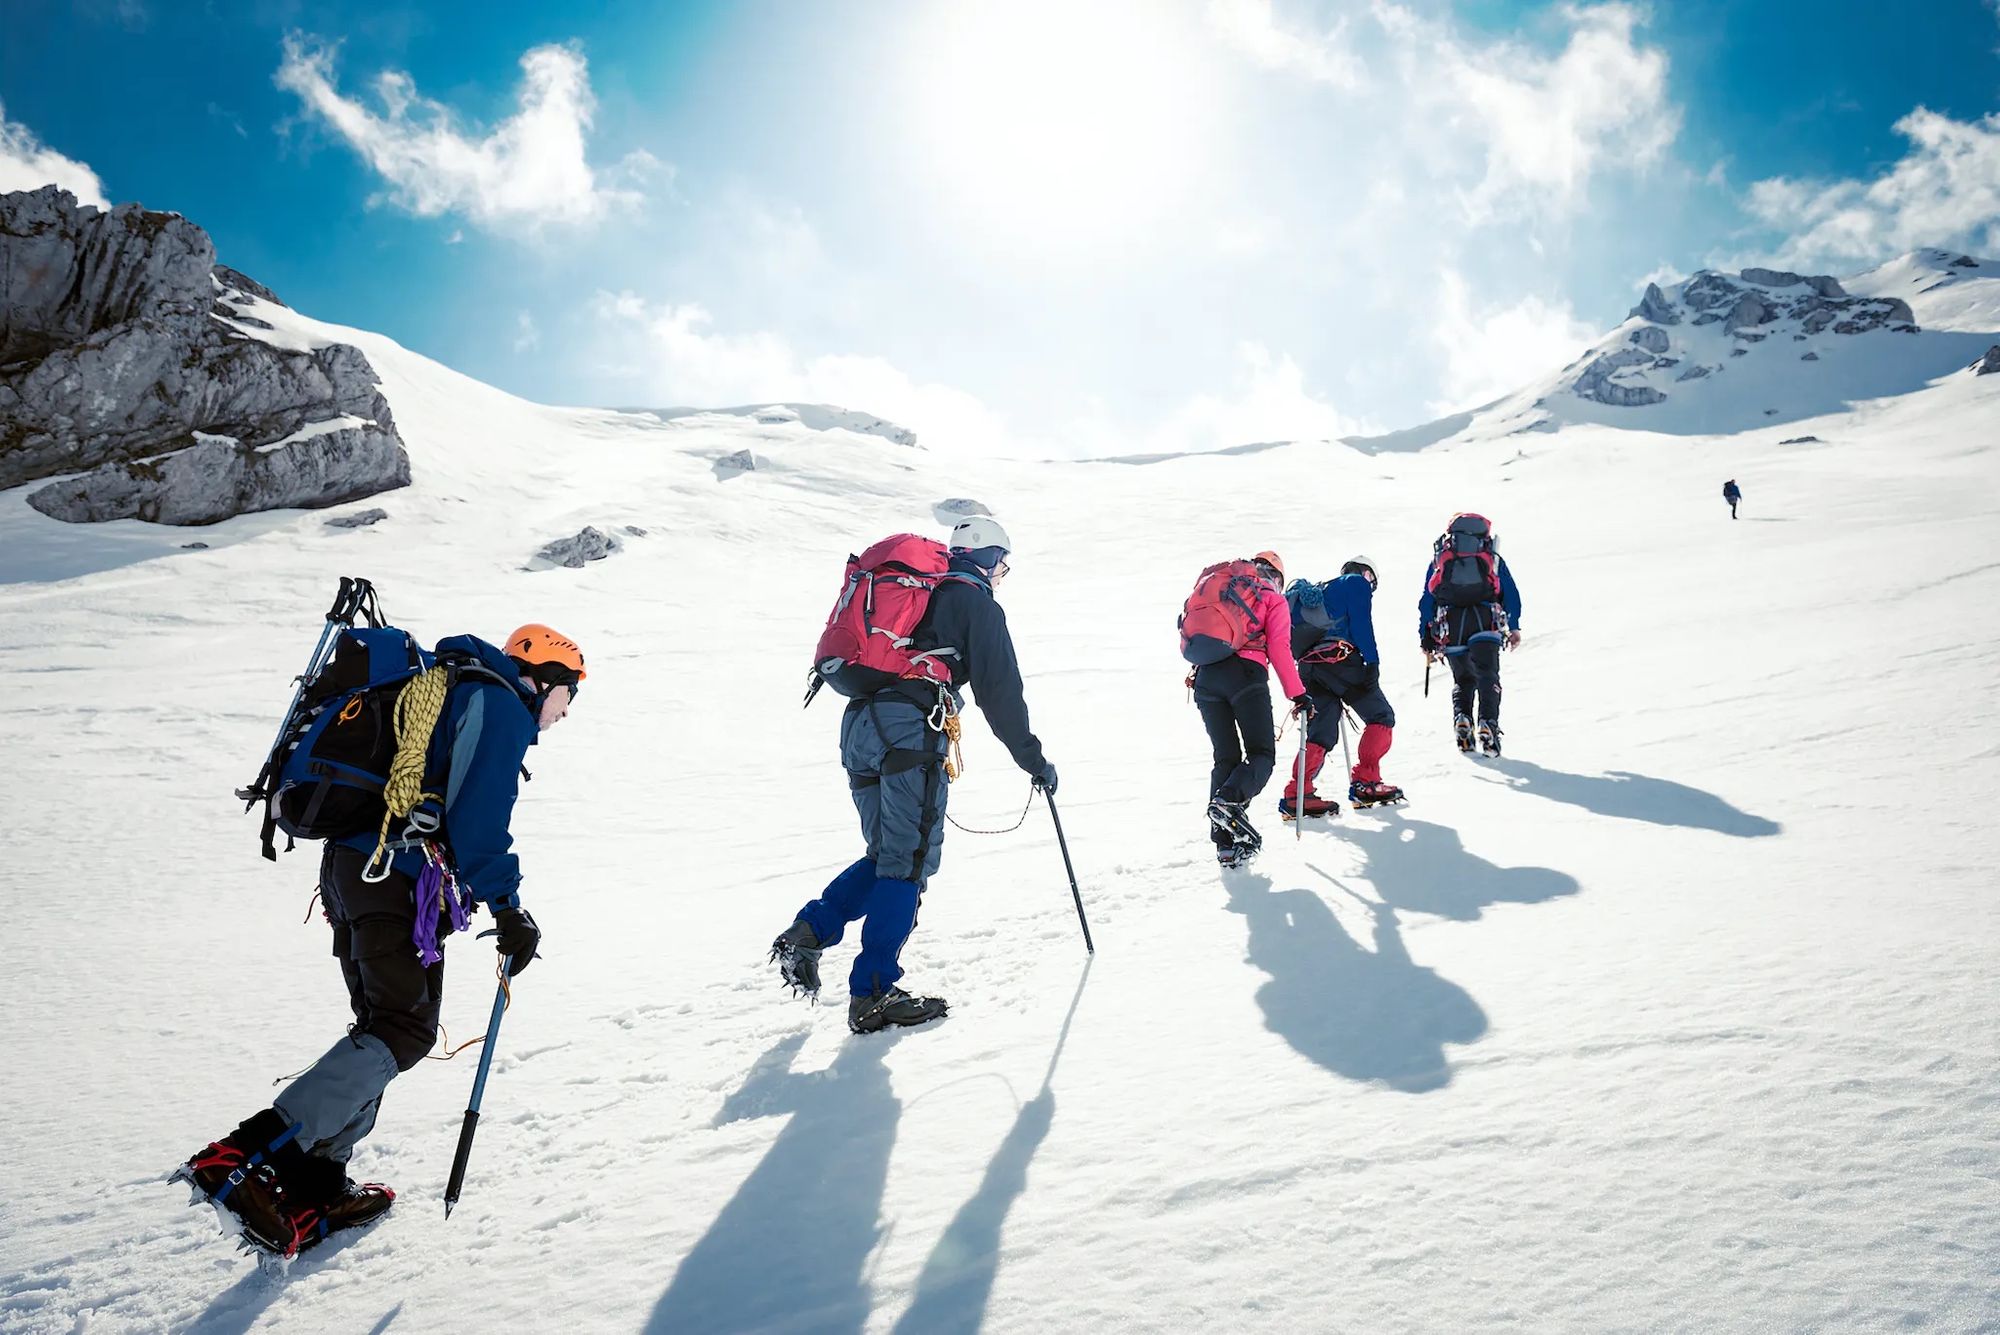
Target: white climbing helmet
980 531
1355 564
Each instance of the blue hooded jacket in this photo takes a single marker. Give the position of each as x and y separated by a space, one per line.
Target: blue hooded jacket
481 739
1340 609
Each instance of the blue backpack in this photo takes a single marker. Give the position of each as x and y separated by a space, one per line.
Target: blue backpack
324 776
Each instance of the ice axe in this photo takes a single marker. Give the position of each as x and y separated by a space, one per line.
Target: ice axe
1299 793
471 1125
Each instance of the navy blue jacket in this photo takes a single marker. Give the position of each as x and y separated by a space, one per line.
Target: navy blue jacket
1510 598
964 616
1346 607
1731 492
481 739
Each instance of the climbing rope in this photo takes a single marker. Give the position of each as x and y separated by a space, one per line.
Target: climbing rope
418 706
954 759
1026 807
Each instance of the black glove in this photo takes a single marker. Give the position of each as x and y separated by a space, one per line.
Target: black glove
1303 705
1046 780
518 938
1428 644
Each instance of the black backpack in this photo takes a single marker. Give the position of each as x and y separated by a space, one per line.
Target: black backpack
1464 570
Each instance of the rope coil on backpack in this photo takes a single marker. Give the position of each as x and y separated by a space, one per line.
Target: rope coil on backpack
418 707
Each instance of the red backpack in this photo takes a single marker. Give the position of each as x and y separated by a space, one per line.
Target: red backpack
1220 617
866 643
1464 570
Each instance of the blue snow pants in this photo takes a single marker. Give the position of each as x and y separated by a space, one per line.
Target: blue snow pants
895 773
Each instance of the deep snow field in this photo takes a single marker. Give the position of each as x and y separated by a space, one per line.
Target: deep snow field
1679 1017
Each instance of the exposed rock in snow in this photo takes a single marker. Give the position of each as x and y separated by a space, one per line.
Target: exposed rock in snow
1990 363
1802 440
1654 306
360 519
776 415
956 508
115 355
592 544
1810 357
1693 373
216 478
1652 338
742 461
1595 381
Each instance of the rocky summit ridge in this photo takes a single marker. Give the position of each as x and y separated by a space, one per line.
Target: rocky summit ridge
136 382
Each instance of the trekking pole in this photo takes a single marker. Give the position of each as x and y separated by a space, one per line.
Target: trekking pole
1429 659
1341 724
1074 893
1299 798
465 1132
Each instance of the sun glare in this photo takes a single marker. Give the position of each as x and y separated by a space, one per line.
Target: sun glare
1059 123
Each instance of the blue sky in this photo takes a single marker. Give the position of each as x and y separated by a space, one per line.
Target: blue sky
1084 226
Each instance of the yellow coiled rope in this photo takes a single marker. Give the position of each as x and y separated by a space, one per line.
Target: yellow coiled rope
418 707
954 759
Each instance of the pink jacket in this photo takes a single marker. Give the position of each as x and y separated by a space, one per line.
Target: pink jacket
1274 619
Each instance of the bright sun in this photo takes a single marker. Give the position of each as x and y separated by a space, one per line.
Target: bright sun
1054 122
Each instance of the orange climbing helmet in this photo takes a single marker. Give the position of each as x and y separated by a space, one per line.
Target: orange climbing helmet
546 656
1273 560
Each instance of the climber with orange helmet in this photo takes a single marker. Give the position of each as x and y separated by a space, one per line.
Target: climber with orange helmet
283 1171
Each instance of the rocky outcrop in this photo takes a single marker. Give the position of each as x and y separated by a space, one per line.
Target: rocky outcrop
1650 337
359 519
1596 383
128 355
1654 306
1990 363
592 544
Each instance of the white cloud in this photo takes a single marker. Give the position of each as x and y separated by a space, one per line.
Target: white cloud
683 363
531 170
1545 124
1268 401
527 337
1489 351
1252 27
1945 191
28 164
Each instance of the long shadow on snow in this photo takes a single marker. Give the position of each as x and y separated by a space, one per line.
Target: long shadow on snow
1362 1014
1420 867
957 1278
1636 797
790 1249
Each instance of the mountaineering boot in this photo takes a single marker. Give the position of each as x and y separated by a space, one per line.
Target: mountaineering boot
796 953
1489 737
871 1014
1231 819
1372 793
1461 726
242 1175
357 1203
1314 805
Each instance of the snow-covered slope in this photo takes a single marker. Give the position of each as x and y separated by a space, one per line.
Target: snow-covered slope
1679 1017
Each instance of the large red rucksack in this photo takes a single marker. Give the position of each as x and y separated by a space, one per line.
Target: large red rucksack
866 644
1464 570
1220 617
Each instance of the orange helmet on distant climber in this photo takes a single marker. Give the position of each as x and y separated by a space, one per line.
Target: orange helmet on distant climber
546 656
1272 560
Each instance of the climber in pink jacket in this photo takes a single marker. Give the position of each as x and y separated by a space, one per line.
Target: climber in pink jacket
1234 696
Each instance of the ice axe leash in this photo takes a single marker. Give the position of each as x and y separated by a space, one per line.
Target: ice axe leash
471 1124
1069 867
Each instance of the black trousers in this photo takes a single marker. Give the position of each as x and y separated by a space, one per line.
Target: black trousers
1476 672
1234 697
394 997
